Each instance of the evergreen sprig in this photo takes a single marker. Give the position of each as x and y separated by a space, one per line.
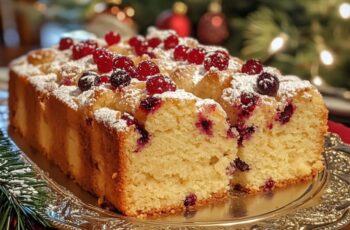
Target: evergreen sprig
22 194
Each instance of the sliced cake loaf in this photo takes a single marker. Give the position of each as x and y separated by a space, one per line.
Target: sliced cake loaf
158 123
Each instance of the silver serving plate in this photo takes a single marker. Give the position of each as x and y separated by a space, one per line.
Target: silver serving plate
323 203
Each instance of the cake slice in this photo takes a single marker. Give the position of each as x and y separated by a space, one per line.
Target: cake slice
156 161
280 138
168 158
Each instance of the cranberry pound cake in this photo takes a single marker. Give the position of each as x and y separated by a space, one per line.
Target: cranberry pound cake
161 123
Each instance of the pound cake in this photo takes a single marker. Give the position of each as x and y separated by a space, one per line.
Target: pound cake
161 123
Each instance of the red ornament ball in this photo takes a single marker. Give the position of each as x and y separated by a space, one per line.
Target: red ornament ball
213 28
174 21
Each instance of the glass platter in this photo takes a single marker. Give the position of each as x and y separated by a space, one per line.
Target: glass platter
323 203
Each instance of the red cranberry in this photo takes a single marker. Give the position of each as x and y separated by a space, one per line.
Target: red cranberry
270 125
239 188
284 116
150 104
105 64
132 71
141 49
112 38
244 133
130 120
196 56
145 69
83 49
269 185
171 42
159 84
91 44
65 43
120 78
248 104
103 59
104 79
241 165
144 136
99 52
154 42
252 67
87 80
66 81
78 51
267 84
180 53
205 126
219 59
190 200
135 41
122 62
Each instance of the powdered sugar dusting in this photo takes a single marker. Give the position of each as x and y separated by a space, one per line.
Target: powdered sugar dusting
66 94
110 118
234 65
44 83
25 69
178 94
198 75
75 68
130 97
86 98
162 34
291 85
203 104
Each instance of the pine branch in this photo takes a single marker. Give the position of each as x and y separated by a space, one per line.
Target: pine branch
262 27
22 194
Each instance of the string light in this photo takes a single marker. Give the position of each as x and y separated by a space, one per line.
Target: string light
278 43
317 80
344 10
121 16
326 57
115 10
130 11
100 7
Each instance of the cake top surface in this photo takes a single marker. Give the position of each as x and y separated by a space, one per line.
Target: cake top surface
161 64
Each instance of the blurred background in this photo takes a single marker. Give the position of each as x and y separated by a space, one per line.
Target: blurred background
308 38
